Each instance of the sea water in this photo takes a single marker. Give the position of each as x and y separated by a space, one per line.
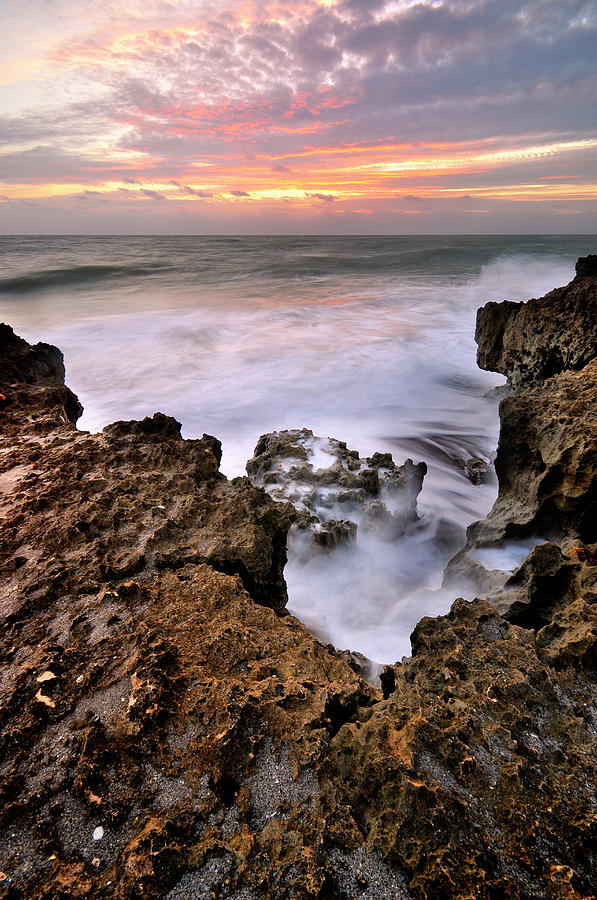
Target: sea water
366 339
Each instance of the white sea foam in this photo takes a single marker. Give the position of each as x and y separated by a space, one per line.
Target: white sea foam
319 457
505 558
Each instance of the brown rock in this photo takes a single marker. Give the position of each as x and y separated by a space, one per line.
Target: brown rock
532 341
477 470
334 490
82 509
460 754
546 460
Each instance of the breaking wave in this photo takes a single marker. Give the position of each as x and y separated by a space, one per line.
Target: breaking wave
51 279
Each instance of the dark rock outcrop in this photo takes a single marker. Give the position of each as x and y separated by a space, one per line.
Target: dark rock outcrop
79 510
32 385
546 460
168 733
477 470
22 363
532 341
335 490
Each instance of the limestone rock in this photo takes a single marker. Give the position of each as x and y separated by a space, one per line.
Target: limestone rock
468 741
21 362
334 533
328 483
532 341
546 460
81 509
477 470
33 377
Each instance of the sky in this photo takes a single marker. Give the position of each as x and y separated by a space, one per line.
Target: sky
298 116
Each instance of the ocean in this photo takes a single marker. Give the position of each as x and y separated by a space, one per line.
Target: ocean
366 339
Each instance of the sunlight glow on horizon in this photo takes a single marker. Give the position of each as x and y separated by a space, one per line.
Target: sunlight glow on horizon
308 104
362 179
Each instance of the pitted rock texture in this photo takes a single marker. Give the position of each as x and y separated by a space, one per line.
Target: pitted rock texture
546 460
477 470
532 341
337 491
446 774
80 509
164 734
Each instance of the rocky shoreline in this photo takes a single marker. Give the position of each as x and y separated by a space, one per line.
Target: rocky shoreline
168 730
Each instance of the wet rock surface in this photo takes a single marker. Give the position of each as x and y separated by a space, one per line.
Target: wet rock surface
477 470
338 492
532 341
167 731
546 466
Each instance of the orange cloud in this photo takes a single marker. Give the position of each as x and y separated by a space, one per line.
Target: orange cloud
269 102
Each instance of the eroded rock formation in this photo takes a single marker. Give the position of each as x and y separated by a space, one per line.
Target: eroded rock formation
546 460
532 341
167 731
335 491
80 510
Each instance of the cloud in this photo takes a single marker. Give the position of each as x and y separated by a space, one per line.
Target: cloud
427 68
166 94
46 162
153 195
189 190
93 195
325 198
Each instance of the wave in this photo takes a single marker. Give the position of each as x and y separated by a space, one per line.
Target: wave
258 264
54 278
368 257
519 276
448 259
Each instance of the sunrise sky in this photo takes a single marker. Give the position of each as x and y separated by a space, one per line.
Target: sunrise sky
295 116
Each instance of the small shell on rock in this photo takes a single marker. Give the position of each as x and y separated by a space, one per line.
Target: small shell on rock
98 833
79 679
41 698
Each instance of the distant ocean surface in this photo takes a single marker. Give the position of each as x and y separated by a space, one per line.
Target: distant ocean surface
366 339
